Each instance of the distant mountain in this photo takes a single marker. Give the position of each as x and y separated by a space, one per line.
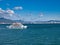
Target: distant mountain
18 20
3 20
8 21
47 22
54 21
21 21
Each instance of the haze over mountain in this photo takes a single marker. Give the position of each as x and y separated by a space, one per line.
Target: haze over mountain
3 20
8 21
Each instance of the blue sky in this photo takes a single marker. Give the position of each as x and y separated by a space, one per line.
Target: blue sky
31 10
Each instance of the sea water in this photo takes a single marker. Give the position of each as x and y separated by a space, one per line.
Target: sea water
35 34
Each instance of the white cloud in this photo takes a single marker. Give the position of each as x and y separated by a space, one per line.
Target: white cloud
41 15
18 8
8 14
1 10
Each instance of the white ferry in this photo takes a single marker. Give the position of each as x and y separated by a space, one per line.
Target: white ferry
17 26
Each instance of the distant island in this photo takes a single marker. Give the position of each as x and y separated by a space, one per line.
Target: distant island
8 21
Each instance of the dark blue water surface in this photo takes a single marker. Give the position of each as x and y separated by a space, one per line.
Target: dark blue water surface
35 34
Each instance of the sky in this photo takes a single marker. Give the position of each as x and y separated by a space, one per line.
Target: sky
30 10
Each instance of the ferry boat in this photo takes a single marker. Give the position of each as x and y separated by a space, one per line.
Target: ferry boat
17 26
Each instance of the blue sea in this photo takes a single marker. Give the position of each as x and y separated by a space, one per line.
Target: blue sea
35 34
